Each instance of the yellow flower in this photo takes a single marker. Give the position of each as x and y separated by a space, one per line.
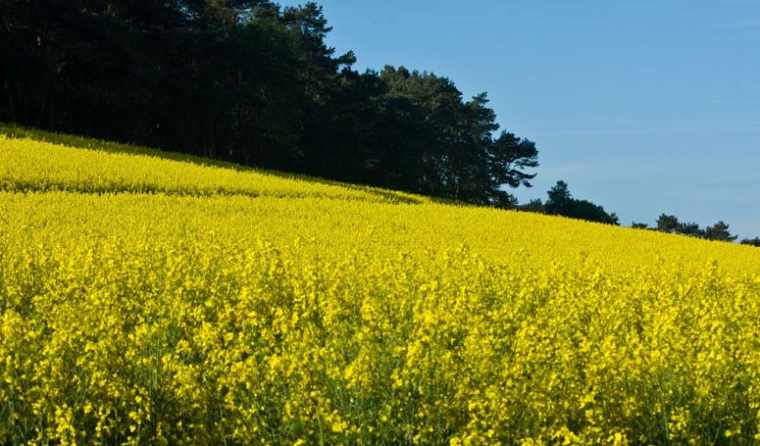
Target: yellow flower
158 298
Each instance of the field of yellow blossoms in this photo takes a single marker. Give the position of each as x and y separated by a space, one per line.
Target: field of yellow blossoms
151 298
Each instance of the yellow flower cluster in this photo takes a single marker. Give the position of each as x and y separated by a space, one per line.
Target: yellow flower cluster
38 165
216 309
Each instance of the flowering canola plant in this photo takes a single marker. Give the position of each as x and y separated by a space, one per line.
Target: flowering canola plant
148 298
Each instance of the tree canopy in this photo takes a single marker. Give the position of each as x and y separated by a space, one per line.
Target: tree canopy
718 231
561 202
252 82
255 83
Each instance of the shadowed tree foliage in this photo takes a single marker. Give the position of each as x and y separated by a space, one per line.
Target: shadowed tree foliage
671 224
561 202
535 205
668 223
719 231
752 242
691 229
251 82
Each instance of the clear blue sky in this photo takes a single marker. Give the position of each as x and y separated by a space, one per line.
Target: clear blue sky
642 106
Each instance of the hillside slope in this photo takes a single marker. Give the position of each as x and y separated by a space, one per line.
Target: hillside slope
150 297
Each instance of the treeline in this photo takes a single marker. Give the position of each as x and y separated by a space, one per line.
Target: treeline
561 202
254 83
718 231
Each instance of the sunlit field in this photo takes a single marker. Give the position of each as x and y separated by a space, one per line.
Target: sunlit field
152 298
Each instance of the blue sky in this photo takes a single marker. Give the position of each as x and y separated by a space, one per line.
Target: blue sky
642 106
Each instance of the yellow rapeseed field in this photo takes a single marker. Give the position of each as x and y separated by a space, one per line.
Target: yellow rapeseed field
150 298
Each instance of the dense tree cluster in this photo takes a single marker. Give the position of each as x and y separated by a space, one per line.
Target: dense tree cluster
251 82
671 224
561 202
719 231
